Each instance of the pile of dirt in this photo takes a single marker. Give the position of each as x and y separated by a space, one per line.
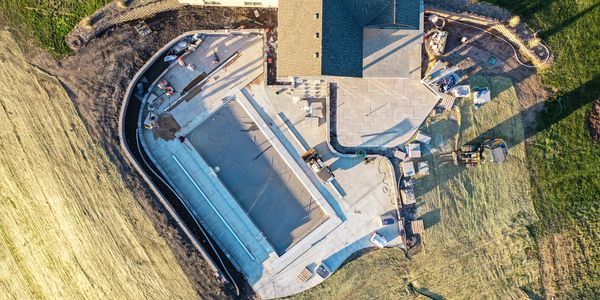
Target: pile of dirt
166 127
96 79
594 121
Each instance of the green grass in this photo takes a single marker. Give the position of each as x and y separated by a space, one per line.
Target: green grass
477 237
564 165
565 162
475 218
376 275
47 21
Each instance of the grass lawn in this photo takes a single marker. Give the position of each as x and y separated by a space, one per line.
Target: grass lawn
69 226
47 21
475 218
565 162
564 165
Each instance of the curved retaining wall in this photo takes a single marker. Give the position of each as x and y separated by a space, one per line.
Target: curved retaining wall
388 161
130 157
499 27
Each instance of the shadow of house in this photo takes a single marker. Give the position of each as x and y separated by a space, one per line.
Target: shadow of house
431 218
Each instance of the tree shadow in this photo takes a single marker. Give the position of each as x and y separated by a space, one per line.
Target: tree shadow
566 23
554 110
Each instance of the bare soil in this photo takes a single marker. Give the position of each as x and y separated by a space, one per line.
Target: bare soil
96 78
594 121
562 255
166 127
473 58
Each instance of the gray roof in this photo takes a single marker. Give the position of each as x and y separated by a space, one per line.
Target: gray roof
343 23
391 53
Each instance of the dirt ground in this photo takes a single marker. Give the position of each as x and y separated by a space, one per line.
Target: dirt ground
96 79
594 121
167 127
561 255
474 55
97 76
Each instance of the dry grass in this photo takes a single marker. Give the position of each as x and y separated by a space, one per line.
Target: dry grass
477 239
69 228
476 244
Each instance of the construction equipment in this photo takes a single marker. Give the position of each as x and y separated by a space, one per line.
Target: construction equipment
494 150
313 159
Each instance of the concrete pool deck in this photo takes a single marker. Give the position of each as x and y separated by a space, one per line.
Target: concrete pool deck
256 174
380 112
228 212
368 195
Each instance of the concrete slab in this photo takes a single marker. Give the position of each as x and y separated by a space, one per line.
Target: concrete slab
224 81
254 172
211 203
380 112
365 191
367 195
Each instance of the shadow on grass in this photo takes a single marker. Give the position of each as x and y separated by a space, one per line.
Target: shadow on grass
549 113
552 110
424 292
568 22
431 218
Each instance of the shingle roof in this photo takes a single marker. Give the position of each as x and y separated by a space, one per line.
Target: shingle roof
340 26
343 23
298 43
392 53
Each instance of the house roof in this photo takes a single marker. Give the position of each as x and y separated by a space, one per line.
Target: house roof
343 23
299 47
391 52
340 27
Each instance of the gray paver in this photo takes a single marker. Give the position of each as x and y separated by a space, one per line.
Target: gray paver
391 119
